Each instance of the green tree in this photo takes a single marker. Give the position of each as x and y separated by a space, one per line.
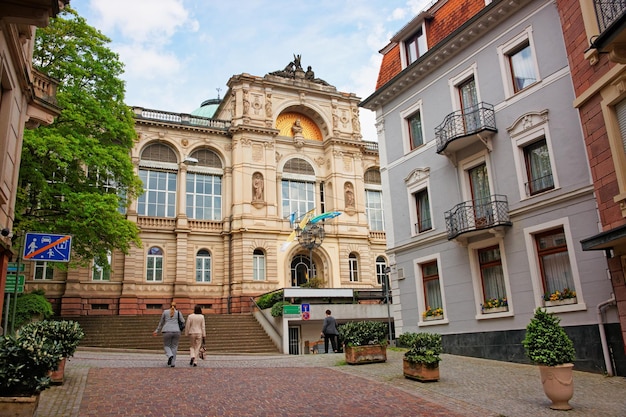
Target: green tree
76 174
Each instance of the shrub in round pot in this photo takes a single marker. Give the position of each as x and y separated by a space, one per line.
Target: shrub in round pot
364 341
547 345
421 361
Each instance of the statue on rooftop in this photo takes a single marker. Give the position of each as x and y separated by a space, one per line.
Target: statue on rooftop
296 66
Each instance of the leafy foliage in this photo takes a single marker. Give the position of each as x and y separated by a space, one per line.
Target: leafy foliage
66 332
406 339
76 173
269 299
315 282
25 362
277 309
362 333
545 342
559 295
424 348
31 305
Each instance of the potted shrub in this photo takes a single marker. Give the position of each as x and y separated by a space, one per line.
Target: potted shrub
25 363
364 341
421 361
547 345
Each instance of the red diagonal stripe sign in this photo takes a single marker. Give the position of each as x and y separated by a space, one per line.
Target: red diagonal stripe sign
45 248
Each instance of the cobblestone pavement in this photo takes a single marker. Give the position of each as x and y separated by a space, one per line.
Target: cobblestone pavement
136 384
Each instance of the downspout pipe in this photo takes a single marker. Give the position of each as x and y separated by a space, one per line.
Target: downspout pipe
605 346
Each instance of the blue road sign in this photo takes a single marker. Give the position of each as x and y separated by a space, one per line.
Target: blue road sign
305 307
47 247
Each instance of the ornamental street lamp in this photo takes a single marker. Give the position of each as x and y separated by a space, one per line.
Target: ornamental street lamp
311 237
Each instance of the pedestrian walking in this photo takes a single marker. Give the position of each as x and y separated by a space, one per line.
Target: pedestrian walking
196 330
329 331
169 326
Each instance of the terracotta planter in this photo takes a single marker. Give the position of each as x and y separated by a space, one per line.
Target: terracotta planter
356 355
58 375
18 406
558 384
419 372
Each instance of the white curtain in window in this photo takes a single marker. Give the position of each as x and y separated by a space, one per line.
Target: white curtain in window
433 294
493 282
557 272
523 70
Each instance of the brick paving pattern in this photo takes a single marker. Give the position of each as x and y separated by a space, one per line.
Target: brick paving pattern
136 384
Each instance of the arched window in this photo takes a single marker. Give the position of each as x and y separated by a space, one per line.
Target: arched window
258 265
381 265
300 267
353 263
203 266
204 186
158 170
154 265
298 187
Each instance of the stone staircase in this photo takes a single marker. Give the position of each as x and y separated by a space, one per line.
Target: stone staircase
225 333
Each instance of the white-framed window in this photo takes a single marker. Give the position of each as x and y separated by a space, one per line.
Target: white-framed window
465 94
297 187
154 264
102 272
415 46
203 266
381 265
353 265
159 197
204 196
518 63
553 265
43 270
490 278
374 199
419 201
258 265
413 127
430 291
533 155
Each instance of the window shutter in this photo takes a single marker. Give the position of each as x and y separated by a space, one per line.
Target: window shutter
620 109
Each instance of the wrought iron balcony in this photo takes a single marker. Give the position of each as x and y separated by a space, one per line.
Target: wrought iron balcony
611 17
464 127
477 215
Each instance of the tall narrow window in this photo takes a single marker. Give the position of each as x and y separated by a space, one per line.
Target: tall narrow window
491 273
538 168
422 205
203 266
258 265
381 265
354 267
43 270
102 272
374 199
556 271
432 289
522 67
154 265
415 129
415 46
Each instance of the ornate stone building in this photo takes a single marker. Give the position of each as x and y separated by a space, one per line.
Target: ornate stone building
224 193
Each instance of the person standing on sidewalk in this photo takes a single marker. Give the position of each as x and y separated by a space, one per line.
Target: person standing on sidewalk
196 330
329 331
169 327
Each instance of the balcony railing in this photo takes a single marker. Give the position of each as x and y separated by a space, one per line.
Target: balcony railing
479 214
180 118
608 12
463 123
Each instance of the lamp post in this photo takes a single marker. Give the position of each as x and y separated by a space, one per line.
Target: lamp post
386 289
311 237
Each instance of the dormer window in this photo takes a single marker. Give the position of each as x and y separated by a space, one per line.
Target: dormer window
415 46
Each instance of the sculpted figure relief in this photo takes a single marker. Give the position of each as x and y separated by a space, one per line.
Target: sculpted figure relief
257 185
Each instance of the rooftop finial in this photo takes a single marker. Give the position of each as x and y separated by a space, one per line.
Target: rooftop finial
218 92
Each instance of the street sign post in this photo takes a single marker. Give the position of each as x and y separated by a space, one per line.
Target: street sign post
11 281
47 247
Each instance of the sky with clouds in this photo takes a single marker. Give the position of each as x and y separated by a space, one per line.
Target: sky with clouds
178 53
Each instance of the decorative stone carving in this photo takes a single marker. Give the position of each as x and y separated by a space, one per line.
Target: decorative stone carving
257 187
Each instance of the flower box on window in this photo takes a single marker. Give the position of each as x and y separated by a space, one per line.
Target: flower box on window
431 318
495 310
432 314
565 301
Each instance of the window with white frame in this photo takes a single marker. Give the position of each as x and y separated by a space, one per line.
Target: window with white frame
381 265
297 187
533 157
102 272
258 265
422 211
203 266
491 274
415 46
374 199
204 196
353 265
432 289
154 265
43 270
518 63
158 170
419 200
413 127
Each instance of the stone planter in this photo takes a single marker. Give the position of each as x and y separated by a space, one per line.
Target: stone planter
356 355
58 375
558 384
560 302
18 406
495 310
419 372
